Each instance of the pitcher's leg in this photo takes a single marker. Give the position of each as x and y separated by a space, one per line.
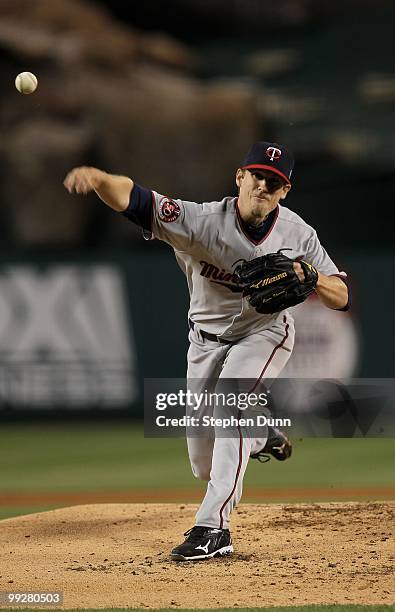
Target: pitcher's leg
205 361
261 356
200 451
254 358
229 462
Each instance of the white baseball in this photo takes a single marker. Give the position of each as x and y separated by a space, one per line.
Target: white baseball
26 82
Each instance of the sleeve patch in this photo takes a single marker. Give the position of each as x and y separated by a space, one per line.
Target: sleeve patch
169 210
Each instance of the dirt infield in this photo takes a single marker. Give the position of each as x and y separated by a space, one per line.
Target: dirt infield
116 555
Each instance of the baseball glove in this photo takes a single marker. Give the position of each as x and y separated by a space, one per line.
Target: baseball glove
271 283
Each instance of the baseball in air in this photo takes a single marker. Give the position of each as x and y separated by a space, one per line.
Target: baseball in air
26 82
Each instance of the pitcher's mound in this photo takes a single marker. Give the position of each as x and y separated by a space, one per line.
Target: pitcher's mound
117 555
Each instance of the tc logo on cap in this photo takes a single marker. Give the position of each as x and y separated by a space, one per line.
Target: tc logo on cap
273 153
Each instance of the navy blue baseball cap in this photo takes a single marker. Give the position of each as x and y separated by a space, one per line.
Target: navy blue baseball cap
270 156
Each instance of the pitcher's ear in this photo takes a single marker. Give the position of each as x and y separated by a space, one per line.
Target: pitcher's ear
239 176
286 189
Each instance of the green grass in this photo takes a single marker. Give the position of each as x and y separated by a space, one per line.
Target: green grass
99 457
116 457
88 457
10 511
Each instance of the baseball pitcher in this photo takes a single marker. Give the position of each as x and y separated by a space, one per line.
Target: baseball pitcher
247 260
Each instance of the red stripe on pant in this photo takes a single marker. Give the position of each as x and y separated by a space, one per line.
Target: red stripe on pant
272 355
221 518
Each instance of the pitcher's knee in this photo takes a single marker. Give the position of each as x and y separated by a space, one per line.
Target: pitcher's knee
201 469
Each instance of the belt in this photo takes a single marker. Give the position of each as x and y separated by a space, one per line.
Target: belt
207 335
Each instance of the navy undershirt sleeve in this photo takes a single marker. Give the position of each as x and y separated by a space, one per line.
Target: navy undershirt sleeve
139 210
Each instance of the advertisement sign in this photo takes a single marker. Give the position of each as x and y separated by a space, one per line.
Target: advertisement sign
65 338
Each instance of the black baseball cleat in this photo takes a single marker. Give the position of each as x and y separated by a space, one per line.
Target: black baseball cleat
277 445
203 543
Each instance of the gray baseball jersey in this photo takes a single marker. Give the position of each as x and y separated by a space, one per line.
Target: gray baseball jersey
208 240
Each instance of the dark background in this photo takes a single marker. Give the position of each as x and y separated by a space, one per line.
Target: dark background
125 87
344 179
